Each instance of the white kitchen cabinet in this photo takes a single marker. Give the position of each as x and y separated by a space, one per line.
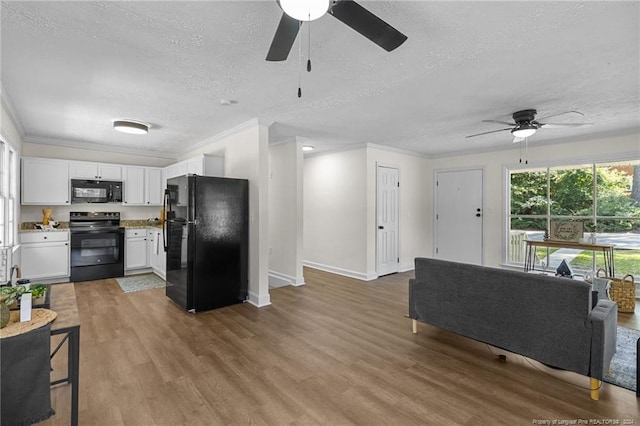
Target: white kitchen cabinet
45 181
203 165
153 188
142 186
157 255
136 250
177 169
45 255
134 185
84 170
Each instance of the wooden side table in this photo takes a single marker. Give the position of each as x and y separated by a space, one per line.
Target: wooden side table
605 249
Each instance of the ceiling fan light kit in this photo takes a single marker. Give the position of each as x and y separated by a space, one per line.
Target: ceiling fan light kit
305 10
132 127
524 130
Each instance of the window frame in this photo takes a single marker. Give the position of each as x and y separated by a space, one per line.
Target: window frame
593 162
8 193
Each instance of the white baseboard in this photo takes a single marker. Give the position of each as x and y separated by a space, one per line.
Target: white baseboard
277 279
259 302
340 271
407 268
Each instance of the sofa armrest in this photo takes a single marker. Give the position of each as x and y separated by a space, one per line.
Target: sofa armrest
604 323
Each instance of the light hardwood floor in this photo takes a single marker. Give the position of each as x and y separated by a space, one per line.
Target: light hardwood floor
335 351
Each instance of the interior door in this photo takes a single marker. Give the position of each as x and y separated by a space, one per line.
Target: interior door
458 216
388 221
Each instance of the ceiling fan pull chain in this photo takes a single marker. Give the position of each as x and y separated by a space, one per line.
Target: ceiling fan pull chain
309 47
526 150
520 148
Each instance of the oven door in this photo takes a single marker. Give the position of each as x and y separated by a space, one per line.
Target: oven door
97 247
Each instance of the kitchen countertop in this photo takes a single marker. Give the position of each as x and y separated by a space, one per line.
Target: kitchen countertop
64 226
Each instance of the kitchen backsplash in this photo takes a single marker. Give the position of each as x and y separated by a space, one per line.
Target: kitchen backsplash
30 213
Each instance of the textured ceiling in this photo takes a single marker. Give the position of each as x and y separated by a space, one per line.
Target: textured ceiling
70 68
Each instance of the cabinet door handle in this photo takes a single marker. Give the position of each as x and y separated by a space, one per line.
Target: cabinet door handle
45 237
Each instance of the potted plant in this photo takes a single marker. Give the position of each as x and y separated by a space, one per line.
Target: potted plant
10 296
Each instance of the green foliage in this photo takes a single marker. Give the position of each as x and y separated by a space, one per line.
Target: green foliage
16 292
571 194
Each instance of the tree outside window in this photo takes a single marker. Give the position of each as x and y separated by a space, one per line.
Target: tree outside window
604 196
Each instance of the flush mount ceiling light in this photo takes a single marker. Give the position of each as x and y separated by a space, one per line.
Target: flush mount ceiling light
304 10
524 130
308 148
133 127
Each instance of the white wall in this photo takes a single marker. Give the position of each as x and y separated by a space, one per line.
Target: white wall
494 164
285 214
415 204
246 153
335 212
340 198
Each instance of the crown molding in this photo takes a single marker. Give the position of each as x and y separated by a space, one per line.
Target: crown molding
92 146
397 150
254 122
7 105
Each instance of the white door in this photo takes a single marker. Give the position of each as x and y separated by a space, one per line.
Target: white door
388 222
458 216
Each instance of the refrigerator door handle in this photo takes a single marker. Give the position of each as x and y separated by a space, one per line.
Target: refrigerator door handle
165 202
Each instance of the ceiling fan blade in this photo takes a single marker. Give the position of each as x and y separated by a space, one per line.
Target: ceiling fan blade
561 125
556 115
284 38
499 122
486 133
368 24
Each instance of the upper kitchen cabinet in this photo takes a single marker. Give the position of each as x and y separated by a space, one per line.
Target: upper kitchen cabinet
142 186
84 170
45 181
153 188
206 165
203 165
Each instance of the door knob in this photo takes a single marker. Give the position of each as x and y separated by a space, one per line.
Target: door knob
380 227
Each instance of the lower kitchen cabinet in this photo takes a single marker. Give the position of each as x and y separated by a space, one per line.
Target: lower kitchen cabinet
136 250
44 255
157 255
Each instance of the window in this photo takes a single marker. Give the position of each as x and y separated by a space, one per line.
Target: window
8 193
604 196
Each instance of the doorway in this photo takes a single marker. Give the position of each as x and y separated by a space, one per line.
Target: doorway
458 216
387 219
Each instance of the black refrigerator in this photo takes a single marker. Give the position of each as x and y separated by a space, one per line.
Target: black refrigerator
206 235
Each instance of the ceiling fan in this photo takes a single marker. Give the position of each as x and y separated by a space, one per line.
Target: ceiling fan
525 124
347 11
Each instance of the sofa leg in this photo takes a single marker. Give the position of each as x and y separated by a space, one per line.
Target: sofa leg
595 388
414 325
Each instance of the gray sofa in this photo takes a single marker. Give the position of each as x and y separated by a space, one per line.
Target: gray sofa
545 318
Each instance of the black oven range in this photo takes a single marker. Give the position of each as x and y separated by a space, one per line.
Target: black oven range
97 245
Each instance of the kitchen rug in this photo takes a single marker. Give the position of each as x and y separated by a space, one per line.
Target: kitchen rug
141 282
623 365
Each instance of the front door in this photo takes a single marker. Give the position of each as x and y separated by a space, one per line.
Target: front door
458 216
388 221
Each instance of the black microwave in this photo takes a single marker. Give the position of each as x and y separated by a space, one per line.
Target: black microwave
96 191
